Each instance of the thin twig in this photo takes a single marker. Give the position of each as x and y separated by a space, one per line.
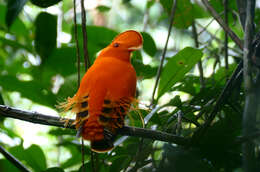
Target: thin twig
13 160
226 34
39 118
217 17
174 4
195 36
76 39
205 27
146 18
241 6
83 155
78 67
221 100
85 38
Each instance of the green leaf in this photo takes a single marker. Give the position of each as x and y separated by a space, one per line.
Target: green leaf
5 165
149 45
1 99
15 44
45 34
54 169
98 38
75 159
120 163
62 61
29 89
150 3
103 8
69 88
35 158
176 158
17 26
32 156
144 71
185 12
14 7
176 68
176 101
44 3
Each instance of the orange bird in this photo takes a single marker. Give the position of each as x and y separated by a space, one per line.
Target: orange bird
106 92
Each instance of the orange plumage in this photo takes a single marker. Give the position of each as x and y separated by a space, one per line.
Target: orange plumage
106 92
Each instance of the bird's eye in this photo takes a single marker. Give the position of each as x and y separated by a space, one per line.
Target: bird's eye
116 45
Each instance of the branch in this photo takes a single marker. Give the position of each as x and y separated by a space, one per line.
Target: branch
13 160
226 34
76 39
251 99
231 83
174 4
195 37
221 100
241 5
39 118
248 138
217 17
84 32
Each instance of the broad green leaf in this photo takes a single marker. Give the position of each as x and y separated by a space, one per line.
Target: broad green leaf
6 165
62 61
44 3
14 7
17 27
176 158
103 8
176 101
150 3
185 12
15 44
28 89
69 88
189 84
121 162
45 34
176 68
32 156
61 131
149 45
54 169
219 5
98 38
75 159
1 99
2 15
144 71
35 157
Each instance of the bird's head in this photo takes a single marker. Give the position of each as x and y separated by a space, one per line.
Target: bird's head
123 44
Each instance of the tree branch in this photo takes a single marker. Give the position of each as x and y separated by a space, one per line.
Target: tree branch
217 17
251 106
76 39
195 37
174 4
39 118
226 34
85 38
221 100
241 5
13 160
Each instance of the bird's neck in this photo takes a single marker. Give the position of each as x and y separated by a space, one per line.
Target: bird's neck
119 54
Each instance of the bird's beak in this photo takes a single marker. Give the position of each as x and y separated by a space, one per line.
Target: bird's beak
135 48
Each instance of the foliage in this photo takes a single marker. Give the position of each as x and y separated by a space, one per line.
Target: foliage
41 67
